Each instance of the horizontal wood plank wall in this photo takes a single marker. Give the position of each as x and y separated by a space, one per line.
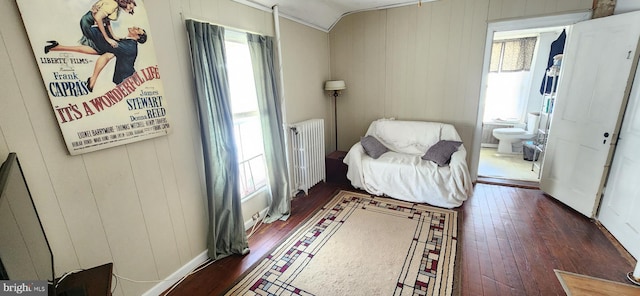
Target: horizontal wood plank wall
140 206
355 37
306 67
420 63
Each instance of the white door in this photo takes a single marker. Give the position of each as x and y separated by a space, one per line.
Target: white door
593 82
621 202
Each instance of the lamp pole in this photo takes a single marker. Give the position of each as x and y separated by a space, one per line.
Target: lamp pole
335 86
335 115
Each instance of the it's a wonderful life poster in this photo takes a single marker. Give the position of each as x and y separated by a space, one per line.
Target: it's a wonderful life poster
99 69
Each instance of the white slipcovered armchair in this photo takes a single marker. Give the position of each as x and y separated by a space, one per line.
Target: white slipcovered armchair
402 173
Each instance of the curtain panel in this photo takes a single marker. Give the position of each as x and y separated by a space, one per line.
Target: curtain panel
226 234
262 57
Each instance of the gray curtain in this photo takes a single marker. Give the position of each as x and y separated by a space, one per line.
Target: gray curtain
261 49
226 234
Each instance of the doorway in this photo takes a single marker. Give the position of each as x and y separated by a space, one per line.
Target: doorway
513 101
521 90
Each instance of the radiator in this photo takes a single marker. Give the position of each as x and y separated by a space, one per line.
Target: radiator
307 146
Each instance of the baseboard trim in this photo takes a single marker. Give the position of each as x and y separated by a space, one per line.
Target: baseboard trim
488 145
191 265
177 275
619 247
508 182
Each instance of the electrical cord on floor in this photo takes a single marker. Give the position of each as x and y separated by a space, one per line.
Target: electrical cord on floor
185 276
116 284
254 227
165 280
633 279
117 276
141 281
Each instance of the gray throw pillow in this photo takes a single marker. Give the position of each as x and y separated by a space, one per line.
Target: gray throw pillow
373 147
441 152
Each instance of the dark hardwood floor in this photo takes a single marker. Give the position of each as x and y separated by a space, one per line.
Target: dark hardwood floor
510 241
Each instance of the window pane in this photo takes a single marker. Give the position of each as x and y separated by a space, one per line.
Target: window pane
241 83
246 185
529 47
496 52
505 99
249 138
512 60
258 170
518 54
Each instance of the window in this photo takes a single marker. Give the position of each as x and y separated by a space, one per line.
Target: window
509 79
512 55
246 117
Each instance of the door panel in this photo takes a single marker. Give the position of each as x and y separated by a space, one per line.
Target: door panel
576 109
621 201
593 83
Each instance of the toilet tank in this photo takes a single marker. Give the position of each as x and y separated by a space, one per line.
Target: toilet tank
532 122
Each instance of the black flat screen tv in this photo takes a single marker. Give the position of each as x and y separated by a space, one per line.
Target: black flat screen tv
25 253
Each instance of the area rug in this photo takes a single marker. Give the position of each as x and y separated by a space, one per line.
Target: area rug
359 244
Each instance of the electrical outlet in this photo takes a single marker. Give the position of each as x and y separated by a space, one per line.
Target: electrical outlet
255 216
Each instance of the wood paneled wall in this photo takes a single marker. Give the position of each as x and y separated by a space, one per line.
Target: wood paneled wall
420 63
140 206
305 65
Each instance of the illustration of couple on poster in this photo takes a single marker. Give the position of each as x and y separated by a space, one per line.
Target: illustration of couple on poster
99 39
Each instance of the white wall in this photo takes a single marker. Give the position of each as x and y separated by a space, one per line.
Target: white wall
539 68
306 68
623 6
140 206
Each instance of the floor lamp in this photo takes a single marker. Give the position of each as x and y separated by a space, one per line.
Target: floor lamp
336 86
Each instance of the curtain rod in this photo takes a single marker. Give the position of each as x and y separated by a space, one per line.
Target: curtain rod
184 18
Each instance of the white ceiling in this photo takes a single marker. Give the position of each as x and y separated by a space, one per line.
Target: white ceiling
324 14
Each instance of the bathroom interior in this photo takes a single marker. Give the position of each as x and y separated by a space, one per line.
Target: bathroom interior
513 104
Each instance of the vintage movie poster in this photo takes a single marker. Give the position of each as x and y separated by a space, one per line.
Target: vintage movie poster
99 69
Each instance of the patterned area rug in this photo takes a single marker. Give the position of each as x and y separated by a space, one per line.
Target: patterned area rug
362 245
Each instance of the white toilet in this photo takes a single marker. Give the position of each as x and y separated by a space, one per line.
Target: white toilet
515 135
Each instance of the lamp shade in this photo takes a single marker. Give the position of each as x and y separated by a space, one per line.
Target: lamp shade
334 85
